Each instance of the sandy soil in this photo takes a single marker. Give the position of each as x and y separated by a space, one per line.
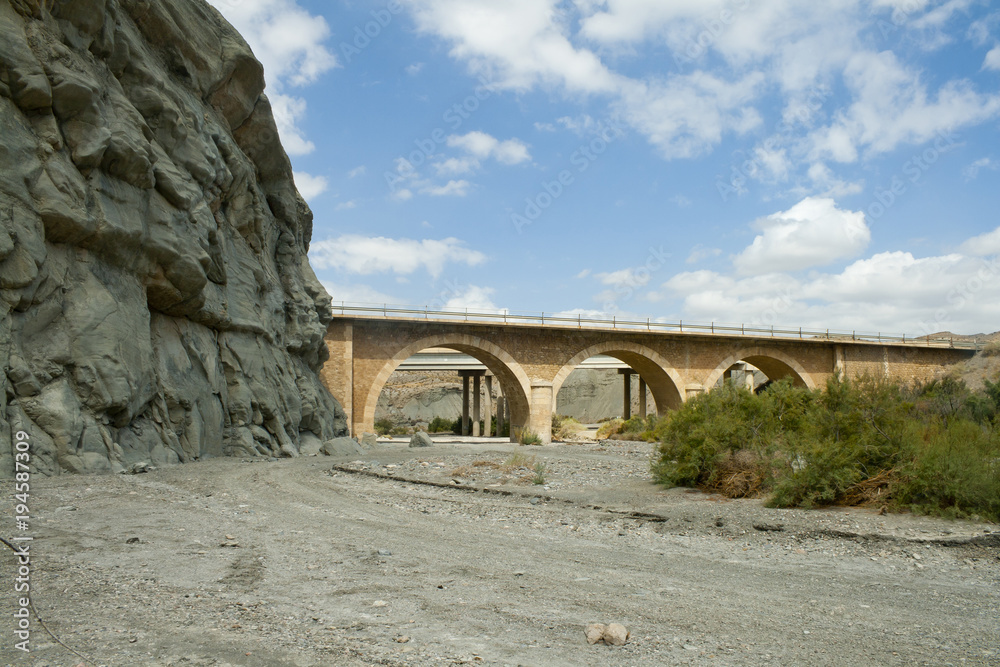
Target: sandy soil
452 555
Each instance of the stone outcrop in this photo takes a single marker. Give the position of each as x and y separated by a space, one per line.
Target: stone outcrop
156 303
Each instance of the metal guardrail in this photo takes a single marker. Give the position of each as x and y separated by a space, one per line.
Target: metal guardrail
506 317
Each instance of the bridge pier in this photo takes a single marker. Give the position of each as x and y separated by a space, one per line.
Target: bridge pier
488 399
642 398
540 415
477 392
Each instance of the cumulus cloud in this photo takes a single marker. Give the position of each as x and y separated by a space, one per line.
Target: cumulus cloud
365 255
814 232
889 292
310 186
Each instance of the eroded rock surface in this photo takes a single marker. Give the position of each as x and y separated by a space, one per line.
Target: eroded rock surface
156 303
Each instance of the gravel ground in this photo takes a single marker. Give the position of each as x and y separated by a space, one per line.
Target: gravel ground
453 555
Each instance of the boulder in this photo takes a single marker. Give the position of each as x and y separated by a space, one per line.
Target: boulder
421 439
341 447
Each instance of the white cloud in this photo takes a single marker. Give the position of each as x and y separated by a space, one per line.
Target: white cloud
475 299
449 189
288 112
483 146
893 106
357 171
347 205
364 255
310 186
545 127
358 294
814 232
290 43
625 277
684 116
414 68
781 47
972 171
891 292
681 201
456 165
992 59
982 245
515 43
583 274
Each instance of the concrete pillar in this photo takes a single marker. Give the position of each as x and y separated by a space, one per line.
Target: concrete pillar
626 392
501 413
477 391
488 408
642 398
465 405
540 418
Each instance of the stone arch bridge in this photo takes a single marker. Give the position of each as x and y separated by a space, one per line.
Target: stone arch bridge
532 356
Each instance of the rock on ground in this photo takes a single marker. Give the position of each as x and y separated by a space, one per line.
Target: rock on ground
156 303
421 439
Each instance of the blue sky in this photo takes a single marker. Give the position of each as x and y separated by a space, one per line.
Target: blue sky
829 165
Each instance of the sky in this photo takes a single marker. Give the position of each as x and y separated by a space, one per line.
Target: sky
831 165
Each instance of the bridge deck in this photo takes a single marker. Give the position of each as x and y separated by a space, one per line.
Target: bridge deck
511 319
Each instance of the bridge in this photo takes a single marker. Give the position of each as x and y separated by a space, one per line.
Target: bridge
531 355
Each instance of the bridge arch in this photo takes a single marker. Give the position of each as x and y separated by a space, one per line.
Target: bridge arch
663 380
513 380
774 363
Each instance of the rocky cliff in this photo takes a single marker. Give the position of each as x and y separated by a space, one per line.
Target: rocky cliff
155 297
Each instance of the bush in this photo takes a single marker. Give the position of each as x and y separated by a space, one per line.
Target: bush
526 436
565 428
442 425
384 426
931 449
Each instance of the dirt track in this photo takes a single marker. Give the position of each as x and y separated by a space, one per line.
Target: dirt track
285 563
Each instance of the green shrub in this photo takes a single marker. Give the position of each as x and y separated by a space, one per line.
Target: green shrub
526 436
384 426
931 449
539 477
954 471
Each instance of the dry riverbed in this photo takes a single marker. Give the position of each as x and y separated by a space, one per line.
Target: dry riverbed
454 555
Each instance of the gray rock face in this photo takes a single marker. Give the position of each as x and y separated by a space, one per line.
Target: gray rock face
156 303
